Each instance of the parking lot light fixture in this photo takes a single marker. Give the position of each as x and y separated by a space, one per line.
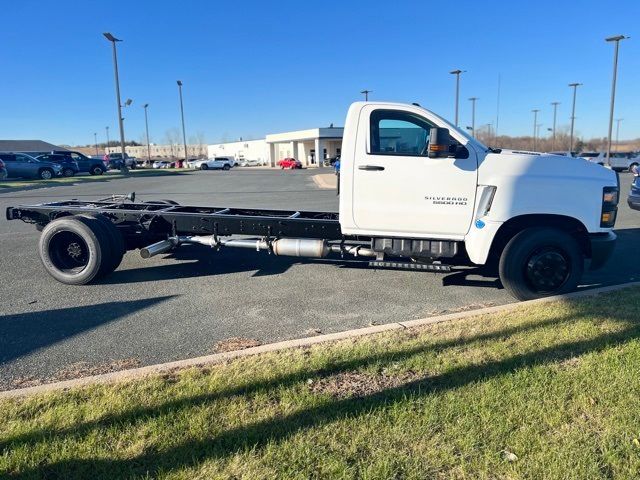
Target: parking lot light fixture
473 115
95 141
366 94
618 120
146 126
535 126
114 40
457 74
573 113
107 130
616 41
184 134
555 112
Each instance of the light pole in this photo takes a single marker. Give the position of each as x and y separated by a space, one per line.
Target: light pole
535 126
113 40
107 129
555 111
366 94
615 39
95 141
184 134
146 125
473 115
457 74
573 113
618 120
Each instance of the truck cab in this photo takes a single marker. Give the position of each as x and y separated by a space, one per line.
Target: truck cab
424 189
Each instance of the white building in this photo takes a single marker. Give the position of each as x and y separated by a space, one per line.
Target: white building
301 145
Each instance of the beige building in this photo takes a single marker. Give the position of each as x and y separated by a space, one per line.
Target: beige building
162 151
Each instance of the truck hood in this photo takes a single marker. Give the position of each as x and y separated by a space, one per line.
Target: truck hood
555 167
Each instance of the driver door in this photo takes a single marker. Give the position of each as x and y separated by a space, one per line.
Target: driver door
398 190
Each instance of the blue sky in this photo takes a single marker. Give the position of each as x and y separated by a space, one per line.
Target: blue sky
256 67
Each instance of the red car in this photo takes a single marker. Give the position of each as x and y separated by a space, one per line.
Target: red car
290 163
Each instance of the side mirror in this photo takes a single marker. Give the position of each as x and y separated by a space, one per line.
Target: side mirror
439 142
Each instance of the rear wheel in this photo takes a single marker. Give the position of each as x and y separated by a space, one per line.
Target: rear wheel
113 242
73 250
540 262
226 167
96 170
45 174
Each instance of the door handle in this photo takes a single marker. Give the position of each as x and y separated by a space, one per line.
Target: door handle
371 168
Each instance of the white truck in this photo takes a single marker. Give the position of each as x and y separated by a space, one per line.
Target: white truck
415 193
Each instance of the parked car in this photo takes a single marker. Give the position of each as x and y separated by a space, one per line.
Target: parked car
3 171
634 194
92 165
290 163
245 162
163 164
216 163
594 157
114 161
23 165
69 166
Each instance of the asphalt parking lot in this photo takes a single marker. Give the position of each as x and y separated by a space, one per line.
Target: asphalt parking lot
182 304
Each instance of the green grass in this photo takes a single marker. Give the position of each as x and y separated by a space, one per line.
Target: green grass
87 178
556 385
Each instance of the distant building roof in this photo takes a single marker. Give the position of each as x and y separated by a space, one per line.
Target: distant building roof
27 146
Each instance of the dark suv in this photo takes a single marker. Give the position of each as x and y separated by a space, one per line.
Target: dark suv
94 166
69 166
23 165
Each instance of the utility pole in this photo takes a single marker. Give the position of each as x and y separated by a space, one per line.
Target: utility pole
618 120
95 141
107 129
146 125
113 40
366 94
616 40
555 111
535 126
473 115
184 134
573 113
457 74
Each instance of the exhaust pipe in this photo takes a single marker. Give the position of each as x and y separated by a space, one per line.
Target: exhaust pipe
157 248
290 247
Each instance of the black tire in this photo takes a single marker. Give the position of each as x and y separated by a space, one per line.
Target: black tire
226 167
114 242
72 250
204 166
96 170
632 167
45 174
540 262
68 172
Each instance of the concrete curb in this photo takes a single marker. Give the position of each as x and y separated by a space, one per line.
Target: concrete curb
217 358
326 181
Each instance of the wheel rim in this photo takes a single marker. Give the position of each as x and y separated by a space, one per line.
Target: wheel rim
45 175
68 172
547 269
68 252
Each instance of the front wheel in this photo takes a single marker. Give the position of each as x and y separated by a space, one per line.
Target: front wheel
540 262
96 170
46 174
68 172
204 166
226 167
633 167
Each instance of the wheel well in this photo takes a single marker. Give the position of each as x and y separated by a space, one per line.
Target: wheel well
515 225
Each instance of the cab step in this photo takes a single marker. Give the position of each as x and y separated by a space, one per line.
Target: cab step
427 267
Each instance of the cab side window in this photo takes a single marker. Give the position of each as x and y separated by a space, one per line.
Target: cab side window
398 133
